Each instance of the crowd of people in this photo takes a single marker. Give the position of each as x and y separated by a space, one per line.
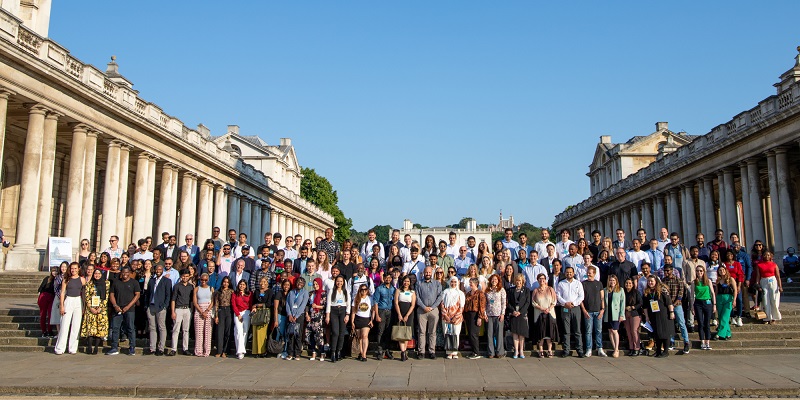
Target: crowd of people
410 299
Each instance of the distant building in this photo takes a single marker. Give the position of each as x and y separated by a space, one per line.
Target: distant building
442 233
503 224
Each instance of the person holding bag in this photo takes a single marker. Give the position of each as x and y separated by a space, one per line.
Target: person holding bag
405 300
260 313
451 310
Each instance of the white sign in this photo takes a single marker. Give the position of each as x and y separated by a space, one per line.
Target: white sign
59 249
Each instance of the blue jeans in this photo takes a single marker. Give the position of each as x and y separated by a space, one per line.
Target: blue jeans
593 326
282 322
737 311
681 325
123 322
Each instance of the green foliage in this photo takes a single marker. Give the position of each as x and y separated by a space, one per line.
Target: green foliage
317 190
357 237
534 233
419 226
382 233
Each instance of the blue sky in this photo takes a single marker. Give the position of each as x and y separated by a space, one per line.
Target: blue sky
438 110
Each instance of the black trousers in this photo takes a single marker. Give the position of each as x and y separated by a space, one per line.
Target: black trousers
572 328
384 329
338 328
224 329
473 330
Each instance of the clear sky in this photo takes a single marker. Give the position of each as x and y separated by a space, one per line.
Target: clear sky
434 111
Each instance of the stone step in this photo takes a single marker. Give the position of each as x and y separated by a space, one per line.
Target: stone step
19 318
31 296
20 311
19 325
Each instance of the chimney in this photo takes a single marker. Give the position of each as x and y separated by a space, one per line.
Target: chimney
662 126
233 129
605 139
286 141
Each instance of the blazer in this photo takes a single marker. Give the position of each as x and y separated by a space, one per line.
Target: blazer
616 309
296 266
512 304
194 249
161 294
235 279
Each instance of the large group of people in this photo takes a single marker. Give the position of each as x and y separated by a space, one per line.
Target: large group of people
290 294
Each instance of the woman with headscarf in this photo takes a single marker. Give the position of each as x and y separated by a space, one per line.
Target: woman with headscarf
451 311
315 317
95 315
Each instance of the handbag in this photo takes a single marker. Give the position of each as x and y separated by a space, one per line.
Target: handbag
260 317
274 343
402 333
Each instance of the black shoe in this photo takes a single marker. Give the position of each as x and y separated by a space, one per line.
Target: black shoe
147 352
170 353
715 337
581 355
420 356
159 353
363 359
565 354
403 356
389 355
432 356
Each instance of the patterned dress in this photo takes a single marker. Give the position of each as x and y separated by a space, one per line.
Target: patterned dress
95 324
316 327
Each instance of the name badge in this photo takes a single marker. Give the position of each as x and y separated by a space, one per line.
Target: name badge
708 301
339 301
491 301
295 306
565 309
654 306
95 301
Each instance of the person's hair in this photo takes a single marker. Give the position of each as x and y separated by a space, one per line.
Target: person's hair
451 234
608 282
714 252
300 279
228 279
476 281
706 281
716 231
508 230
497 286
403 281
371 231
68 275
728 277
660 287
359 294
597 232
519 276
755 251
591 268
541 275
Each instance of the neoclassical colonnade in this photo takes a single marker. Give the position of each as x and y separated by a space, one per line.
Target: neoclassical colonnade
84 157
741 177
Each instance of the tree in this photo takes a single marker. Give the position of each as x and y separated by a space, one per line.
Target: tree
381 233
357 237
419 226
317 190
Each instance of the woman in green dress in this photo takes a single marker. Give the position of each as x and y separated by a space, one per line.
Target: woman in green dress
726 291
95 315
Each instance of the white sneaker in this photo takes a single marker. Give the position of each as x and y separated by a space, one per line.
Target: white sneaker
240 356
588 354
601 353
739 321
713 322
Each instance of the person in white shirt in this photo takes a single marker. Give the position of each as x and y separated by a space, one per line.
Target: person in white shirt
637 256
414 265
366 248
541 246
562 247
238 250
472 249
143 253
569 293
510 244
532 271
582 272
452 248
663 239
113 249
289 251
361 278
405 251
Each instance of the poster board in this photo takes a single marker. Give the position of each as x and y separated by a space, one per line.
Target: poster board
59 249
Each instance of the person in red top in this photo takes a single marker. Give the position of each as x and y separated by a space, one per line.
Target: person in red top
241 301
769 277
737 273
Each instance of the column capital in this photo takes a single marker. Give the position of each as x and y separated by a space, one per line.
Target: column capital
770 153
144 155
79 126
5 92
53 115
114 143
780 149
752 160
149 155
206 182
729 168
674 190
688 185
36 108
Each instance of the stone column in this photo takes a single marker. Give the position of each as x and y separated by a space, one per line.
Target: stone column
140 196
151 196
754 192
690 228
110 192
174 201
4 94
233 212
72 219
265 220
636 218
723 203
774 197
660 220
674 212
221 209
89 165
122 203
788 233
731 216
710 211
745 236
204 211
186 225
273 220
24 255
193 209
244 224
45 203
255 224
625 221
647 217
295 226
607 230
165 200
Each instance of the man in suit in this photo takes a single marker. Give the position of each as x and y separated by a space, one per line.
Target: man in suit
620 242
171 249
191 248
547 261
160 290
164 243
239 274
299 264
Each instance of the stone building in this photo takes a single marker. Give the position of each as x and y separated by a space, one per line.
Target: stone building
83 156
442 233
741 177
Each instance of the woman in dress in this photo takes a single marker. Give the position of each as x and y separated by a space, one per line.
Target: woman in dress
451 311
262 299
495 311
614 311
726 290
203 303
633 303
71 306
363 314
660 314
519 300
405 300
375 270
240 303
47 294
705 304
95 316
315 318
768 276
223 316
337 315
544 301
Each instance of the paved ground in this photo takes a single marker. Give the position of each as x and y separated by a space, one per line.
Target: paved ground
150 376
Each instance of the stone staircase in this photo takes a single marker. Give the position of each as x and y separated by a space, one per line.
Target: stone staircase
19 324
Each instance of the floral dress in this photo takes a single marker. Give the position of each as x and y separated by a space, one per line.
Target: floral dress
316 327
95 324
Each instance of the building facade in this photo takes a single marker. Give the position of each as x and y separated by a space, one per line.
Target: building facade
741 177
480 234
83 156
